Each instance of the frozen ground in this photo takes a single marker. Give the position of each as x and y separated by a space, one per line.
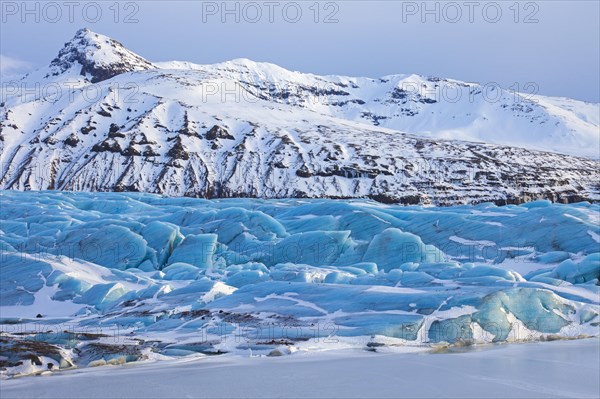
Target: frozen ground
535 370
112 278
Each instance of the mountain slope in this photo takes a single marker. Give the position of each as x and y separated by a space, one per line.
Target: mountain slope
430 106
242 128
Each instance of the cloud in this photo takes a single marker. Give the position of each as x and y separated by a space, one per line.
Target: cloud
13 67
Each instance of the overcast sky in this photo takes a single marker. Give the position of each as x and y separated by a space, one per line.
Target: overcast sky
554 44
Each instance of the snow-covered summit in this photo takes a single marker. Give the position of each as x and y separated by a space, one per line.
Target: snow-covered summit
97 57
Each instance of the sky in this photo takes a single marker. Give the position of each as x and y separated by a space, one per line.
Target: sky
547 47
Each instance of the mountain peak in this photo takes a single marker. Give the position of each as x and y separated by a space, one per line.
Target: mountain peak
97 57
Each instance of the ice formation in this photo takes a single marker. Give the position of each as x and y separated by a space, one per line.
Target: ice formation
178 276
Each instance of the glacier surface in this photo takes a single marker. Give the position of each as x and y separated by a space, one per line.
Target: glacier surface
95 278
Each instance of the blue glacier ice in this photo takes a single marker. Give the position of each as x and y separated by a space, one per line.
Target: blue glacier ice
191 272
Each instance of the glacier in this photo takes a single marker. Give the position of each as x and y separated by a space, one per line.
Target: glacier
107 278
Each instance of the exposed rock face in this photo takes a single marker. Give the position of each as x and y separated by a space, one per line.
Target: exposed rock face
284 134
217 132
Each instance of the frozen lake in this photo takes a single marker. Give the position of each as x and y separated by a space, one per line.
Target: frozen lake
533 370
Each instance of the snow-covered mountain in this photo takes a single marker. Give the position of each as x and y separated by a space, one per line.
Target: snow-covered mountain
102 118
